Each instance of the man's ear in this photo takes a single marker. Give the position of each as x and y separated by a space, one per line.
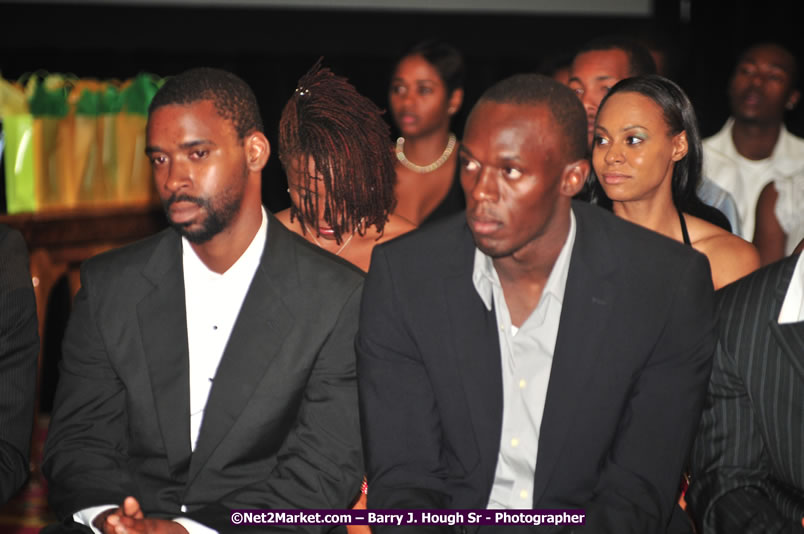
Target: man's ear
258 149
792 100
680 146
574 177
455 101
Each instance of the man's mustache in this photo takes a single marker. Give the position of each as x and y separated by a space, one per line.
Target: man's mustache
185 198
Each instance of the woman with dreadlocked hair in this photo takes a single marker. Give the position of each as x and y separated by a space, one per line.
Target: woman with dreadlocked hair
333 145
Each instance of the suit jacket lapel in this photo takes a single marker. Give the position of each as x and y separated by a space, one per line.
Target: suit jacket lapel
163 326
261 326
473 330
589 293
790 336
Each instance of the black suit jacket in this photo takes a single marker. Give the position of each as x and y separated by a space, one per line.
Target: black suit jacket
748 458
280 427
629 372
19 351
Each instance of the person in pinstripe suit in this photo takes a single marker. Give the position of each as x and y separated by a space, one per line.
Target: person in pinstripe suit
748 458
19 350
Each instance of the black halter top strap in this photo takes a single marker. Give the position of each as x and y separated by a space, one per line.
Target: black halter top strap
684 229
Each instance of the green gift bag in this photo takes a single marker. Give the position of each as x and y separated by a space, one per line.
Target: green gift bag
32 136
18 146
80 143
18 131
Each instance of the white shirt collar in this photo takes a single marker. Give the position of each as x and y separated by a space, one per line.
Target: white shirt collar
484 276
793 305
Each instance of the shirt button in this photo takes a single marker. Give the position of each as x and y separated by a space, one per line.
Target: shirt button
523 494
514 442
214 327
522 384
183 509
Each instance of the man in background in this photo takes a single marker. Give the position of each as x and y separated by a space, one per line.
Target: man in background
755 139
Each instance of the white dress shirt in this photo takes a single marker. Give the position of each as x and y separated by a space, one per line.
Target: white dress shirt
526 359
213 303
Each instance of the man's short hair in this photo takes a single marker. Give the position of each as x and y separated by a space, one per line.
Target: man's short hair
785 49
640 62
233 98
536 89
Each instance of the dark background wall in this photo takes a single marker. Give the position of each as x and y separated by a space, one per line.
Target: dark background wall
272 48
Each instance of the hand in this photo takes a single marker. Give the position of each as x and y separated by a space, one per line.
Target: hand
129 519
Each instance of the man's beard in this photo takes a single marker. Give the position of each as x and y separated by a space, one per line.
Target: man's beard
217 218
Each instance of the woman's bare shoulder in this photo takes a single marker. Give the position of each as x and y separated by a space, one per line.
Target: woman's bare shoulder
730 256
284 217
395 227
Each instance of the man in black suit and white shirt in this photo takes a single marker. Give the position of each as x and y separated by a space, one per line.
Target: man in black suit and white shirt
211 366
19 350
748 457
534 352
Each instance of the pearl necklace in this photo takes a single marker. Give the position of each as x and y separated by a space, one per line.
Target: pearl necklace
424 169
